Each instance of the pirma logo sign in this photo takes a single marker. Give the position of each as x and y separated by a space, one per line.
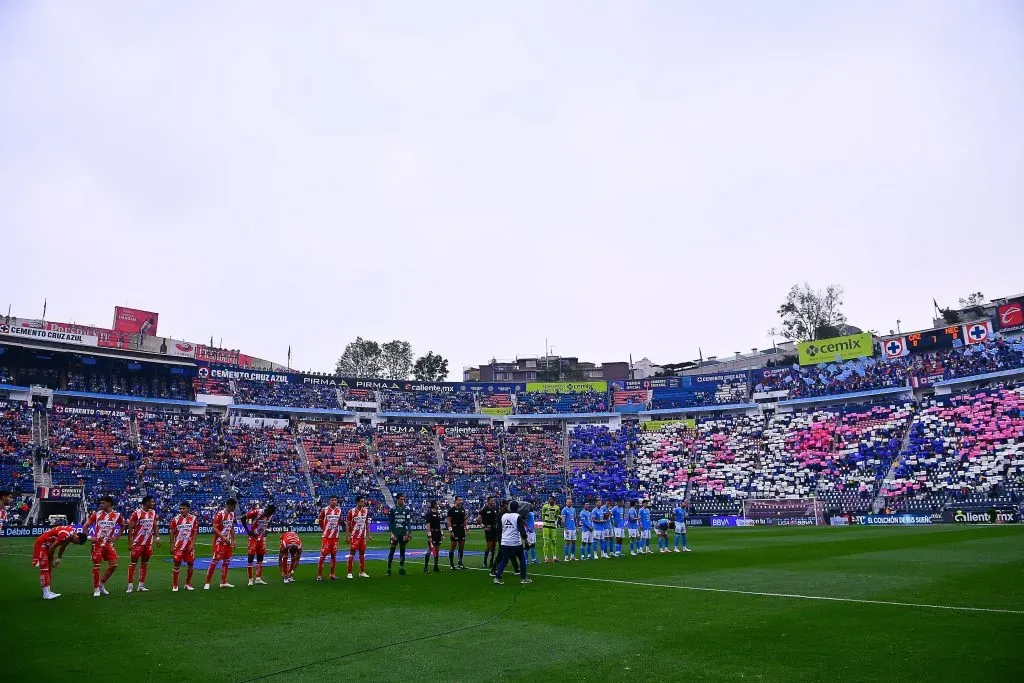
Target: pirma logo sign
843 348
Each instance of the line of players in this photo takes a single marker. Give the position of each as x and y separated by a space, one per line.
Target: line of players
602 536
602 529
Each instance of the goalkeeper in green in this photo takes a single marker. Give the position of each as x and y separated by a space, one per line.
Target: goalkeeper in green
549 515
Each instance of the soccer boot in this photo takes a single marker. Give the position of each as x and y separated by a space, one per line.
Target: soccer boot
142 588
387 573
401 571
349 576
526 580
50 595
103 589
174 589
96 593
259 581
251 584
226 585
188 587
363 575
130 589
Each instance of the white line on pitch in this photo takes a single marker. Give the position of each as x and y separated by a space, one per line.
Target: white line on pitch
781 595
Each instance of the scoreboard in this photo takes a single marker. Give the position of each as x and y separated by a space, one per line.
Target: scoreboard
936 340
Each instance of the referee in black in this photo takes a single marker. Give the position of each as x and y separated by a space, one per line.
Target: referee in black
457 532
487 517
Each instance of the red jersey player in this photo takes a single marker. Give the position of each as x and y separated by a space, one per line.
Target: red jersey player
105 525
358 525
183 530
330 523
256 522
53 541
223 543
142 532
291 549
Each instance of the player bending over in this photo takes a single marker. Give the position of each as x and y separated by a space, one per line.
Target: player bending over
679 514
399 523
661 527
142 532
53 542
434 537
183 530
358 526
289 555
256 522
223 543
330 526
106 526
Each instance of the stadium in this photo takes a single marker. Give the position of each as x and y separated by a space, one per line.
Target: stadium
461 341
907 450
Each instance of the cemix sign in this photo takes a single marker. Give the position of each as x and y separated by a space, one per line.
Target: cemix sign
843 348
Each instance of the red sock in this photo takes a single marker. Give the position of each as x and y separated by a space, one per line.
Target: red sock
142 573
334 563
107 574
224 573
350 558
259 569
248 568
295 563
188 576
95 577
174 575
44 577
320 568
210 571
131 574
362 563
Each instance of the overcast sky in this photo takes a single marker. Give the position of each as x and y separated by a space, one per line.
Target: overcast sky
619 178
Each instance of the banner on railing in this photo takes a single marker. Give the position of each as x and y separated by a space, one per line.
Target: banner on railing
654 425
60 492
46 334
502 410
566 387
212 355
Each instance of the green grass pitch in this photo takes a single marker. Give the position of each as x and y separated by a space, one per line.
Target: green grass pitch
635 624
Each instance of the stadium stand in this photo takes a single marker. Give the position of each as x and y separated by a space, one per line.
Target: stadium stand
15 447
472 464
965 448
543 403
600 462
340 462
94 451
248 392
427 402
263 467
534 462
409 464
182 460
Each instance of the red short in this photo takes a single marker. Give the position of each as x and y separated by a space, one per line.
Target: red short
41 557
142 552
104 553
222 552
328 546
357 544
188 556
258 546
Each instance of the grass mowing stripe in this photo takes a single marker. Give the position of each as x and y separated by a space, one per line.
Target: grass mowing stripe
489 620
778 595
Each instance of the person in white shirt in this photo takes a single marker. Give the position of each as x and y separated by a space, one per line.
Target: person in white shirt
513 533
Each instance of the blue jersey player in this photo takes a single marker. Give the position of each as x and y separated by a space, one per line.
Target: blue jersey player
679 517
633 526
531 535
661 527
600 527
645 528
569 525
617 514
587 535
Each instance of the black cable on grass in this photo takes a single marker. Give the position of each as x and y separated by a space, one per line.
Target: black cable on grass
396 643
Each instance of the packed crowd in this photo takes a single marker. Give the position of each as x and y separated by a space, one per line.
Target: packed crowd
544 403
534 461
472 464
601 461
182 459
340 462
427 402
263 466
96 452
15 447
129 385
960 446
409 464
289 395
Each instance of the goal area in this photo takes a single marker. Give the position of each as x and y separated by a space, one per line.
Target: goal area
784 508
